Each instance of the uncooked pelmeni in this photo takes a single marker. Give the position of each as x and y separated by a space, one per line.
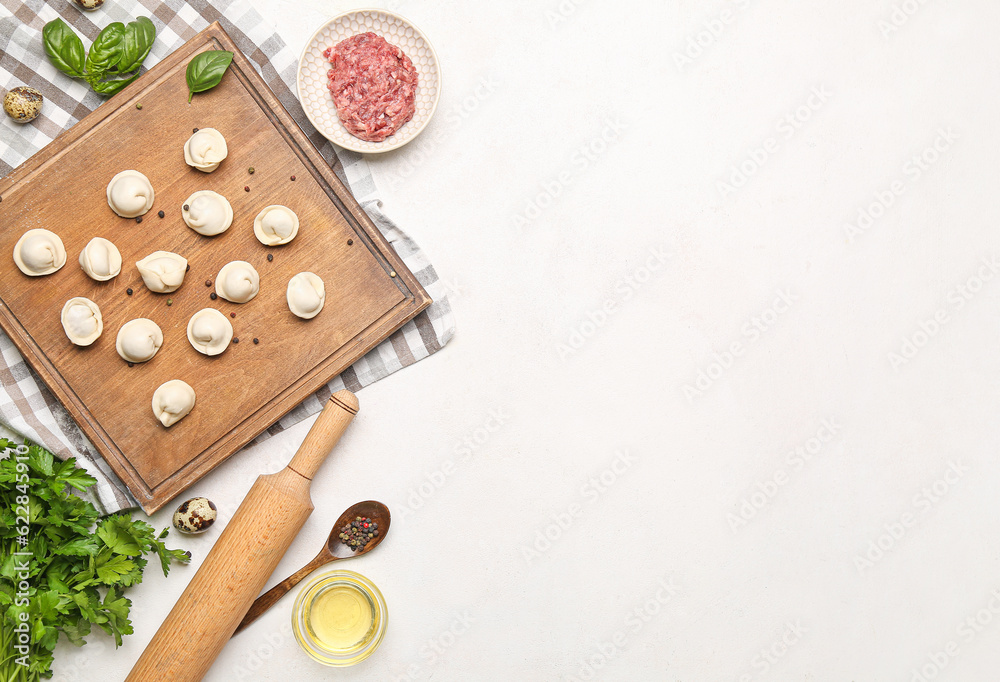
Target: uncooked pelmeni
129 194
209 331
238 282
162 271
305 295
276 225
207 212
205 149
81 319
172 401
100 259
138 340
39 252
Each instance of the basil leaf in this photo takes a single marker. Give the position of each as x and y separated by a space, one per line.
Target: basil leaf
64 48
205 71
105 52
109 88
136 43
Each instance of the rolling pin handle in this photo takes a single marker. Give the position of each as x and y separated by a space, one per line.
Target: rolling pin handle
324 433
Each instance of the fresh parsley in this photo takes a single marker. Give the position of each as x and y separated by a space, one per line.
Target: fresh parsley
77 564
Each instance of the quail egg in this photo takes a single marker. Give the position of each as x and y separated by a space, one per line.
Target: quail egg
88 4
23 104
195 516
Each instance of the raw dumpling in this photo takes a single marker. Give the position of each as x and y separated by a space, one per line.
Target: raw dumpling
138 340
39 252
209 331
81 319
205 149
100 259
129 194
305 295
162 271
172 401
237 282
208 213
276 225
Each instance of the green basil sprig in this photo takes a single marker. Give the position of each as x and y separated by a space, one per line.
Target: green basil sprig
118 50
205 71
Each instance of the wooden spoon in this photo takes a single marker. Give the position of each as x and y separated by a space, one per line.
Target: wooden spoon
333 550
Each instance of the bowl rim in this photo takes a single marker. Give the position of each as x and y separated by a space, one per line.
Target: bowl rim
299 72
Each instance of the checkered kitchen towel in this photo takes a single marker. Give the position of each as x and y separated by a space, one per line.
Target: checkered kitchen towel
27 408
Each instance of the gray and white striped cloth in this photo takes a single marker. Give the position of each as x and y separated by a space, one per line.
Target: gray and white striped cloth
27 408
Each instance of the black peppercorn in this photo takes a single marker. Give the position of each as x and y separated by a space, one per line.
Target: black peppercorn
161 214
138 219
186 207
270 257
129 291
235 340
213 296
256 341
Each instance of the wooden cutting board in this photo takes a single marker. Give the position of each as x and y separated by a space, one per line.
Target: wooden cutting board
369 292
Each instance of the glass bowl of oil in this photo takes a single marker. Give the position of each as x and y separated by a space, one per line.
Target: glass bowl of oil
339 618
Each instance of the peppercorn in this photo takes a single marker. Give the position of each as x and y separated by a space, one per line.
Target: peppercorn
250 170
170 301
129 291
186 207
131 364
194 131
293 178
161 214
138 106
138 219
270 257
208 282
232 314
246 188
213 296
235 340
256 341
350 242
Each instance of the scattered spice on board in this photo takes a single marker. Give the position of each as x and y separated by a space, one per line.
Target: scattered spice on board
359 532
293 178
350 242
129 291
232 314
138 106
194 131
250 170
256 341
213 296
170 301
208 282
161 214
270 257
138 219
236 339
246 188
131 364
186 207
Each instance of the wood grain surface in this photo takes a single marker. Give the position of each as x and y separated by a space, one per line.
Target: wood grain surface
369 292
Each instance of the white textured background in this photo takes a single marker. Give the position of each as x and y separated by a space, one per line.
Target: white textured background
811 507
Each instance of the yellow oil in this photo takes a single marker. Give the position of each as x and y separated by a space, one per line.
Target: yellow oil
341 618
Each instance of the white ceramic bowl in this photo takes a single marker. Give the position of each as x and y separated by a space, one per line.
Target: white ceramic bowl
313 67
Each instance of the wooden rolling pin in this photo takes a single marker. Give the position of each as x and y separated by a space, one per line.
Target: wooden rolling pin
243 558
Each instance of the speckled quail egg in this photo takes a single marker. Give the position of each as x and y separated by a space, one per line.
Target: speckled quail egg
195 516
88 4
23 104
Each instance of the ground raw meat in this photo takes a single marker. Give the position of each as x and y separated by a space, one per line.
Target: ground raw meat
373 86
